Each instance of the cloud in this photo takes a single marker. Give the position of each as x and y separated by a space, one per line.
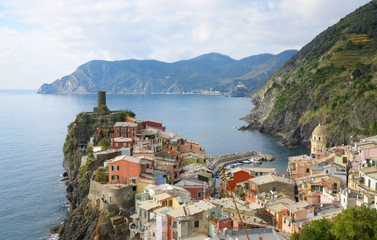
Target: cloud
42 40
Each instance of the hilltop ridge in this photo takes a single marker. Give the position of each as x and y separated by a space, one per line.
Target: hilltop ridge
332 80
207 72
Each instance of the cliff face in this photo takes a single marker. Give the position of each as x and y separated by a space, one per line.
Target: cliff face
85 220
209 71
331 80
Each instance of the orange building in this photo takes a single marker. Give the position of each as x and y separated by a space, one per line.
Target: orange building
192 146
124 169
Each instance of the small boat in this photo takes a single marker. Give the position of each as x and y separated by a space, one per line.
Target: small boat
246 161
254 160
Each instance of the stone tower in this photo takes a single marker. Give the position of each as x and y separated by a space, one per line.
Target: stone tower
101 98
319 139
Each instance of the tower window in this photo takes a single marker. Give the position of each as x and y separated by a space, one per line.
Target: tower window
319 138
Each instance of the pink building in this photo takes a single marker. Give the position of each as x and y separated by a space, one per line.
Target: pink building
296 212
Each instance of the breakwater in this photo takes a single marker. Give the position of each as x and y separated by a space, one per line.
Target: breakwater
216 163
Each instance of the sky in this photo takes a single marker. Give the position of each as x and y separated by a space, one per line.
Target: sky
44 40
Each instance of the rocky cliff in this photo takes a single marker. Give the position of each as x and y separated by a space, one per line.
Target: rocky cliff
332 80
86 220
209 71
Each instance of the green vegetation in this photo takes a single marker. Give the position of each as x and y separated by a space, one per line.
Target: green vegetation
331 80
101 176
352 223
69 144
122 115
193 160
104 143
105 109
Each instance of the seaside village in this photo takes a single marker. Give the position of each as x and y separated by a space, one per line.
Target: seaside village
161 180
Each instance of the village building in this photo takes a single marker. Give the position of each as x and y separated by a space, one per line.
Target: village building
152 124
299 212
268 183
125 130
241 174
187 220
124 169
199 189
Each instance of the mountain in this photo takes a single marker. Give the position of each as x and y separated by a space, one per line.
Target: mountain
332 80
209 71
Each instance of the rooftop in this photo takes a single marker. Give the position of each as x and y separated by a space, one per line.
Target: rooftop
299 206
162 196
265 233
148 205
126 158
122 139
125 124
278 207
192 209
269 179
227 203
255 169
368 170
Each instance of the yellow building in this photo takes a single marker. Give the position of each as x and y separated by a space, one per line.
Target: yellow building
319 139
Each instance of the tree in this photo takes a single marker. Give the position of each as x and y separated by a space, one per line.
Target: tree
104 143
89 151
351 224
318 229
101 176
356 223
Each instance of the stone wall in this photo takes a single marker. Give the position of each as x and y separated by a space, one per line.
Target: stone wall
118 194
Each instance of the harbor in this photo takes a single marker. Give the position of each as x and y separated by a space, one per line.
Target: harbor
235 159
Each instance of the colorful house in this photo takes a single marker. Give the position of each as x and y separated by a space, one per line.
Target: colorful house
187 220
269 183
199 189
296 212
153 124
121 142
126 130
124 169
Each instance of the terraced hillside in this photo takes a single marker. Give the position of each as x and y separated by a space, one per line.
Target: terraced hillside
331 80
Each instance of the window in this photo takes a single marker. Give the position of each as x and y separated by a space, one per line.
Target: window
307 170
145 213
114 177
199 194
196 224
274 189
115 168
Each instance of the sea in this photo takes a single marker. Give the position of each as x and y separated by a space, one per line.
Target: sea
33 129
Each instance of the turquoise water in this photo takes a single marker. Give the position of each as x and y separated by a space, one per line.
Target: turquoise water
33 129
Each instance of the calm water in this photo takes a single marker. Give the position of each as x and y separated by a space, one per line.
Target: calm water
33 129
